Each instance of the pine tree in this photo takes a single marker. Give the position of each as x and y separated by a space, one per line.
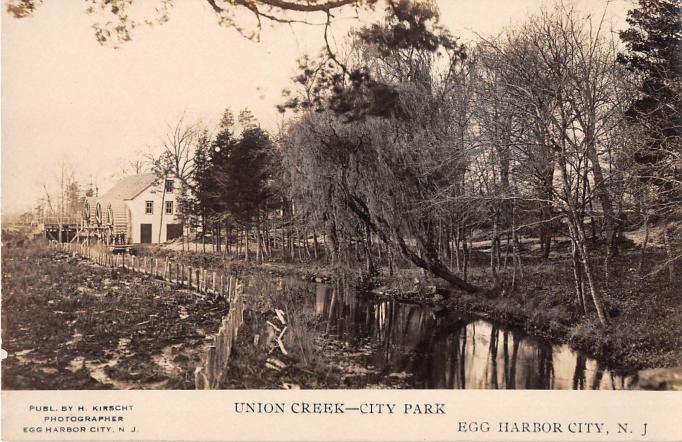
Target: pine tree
654 52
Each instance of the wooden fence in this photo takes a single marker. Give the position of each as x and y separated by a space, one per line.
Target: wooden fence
213 367
198 279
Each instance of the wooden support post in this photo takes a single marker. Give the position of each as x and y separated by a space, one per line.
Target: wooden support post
156 267
177 272
189 280
198 273
165 269
213 288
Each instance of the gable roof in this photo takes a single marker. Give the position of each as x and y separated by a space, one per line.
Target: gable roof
129 187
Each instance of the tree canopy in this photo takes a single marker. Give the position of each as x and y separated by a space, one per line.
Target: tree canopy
116 19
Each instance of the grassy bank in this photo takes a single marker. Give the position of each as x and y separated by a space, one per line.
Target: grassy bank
645 313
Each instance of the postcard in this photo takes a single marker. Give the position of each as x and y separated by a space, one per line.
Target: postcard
341 220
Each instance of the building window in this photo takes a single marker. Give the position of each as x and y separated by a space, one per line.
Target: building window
169 186
149 207
169 207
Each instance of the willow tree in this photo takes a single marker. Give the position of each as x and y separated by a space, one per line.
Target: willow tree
388 146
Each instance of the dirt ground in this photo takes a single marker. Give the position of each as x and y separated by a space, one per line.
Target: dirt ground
70 324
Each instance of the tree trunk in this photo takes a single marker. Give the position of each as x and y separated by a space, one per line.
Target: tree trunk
493 242
668 251
601 190
644 244
465 254
578 276
161 209
315 245
581 241
457 240
371 268
259 247
246 244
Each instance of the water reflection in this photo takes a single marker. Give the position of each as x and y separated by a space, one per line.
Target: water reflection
447 352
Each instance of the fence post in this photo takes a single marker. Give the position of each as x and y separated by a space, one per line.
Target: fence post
189 280
177 274
213 288
198 273
165 269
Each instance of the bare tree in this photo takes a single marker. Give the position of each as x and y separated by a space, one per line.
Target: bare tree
176 159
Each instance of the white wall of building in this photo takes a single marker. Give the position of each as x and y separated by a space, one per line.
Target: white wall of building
138 216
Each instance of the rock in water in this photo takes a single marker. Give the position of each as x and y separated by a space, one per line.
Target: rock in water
661 379
429 290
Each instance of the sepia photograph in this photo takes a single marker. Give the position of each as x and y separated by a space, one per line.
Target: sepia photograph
341 194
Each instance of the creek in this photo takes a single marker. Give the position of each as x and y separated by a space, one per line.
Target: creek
429 349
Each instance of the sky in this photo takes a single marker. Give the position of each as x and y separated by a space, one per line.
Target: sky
67 100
